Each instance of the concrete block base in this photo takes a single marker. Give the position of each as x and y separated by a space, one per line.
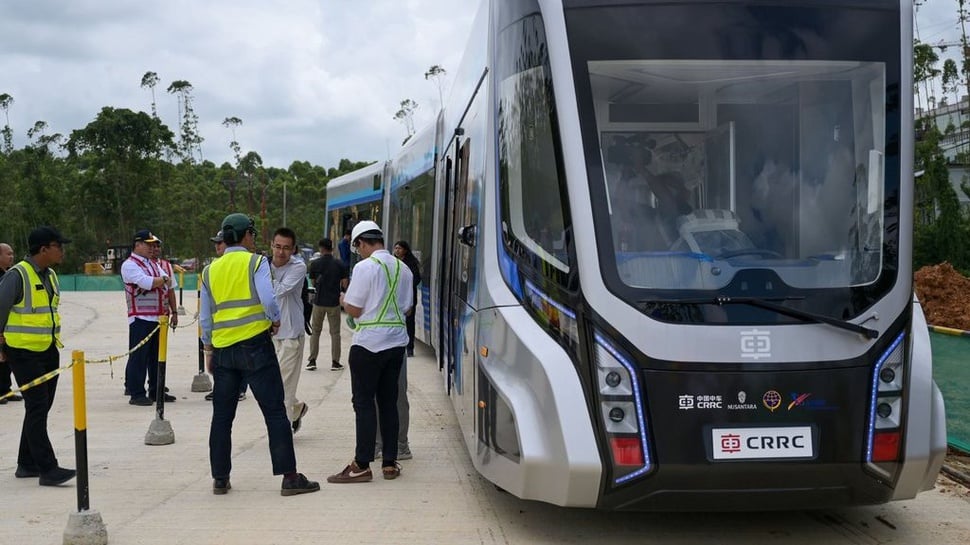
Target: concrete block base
201 383
160 433
85 528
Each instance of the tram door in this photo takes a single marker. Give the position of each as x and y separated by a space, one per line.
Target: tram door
460 255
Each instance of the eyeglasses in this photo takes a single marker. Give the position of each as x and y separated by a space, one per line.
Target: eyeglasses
283 248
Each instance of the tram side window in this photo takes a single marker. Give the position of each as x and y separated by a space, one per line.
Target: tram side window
533 219
411 206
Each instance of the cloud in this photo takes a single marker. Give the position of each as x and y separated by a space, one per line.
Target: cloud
311 80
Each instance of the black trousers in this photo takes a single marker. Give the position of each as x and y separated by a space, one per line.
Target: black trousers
36 451
374 376
5 382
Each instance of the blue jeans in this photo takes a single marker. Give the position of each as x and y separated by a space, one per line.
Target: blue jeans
142 361
374 375
253 360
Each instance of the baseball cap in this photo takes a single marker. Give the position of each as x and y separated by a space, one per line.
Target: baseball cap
145 235
218 238
239 224
42 236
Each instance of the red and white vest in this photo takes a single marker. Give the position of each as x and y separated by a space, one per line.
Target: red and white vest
142 302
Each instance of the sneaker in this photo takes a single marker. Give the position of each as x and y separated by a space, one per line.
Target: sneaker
220 486
352 474
26 472
404 451
242 396
56 476
391 472
335 366
311 365
298 485
168 398
298 423
140 401
208 396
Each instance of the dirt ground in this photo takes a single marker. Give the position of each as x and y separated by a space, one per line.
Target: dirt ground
945 295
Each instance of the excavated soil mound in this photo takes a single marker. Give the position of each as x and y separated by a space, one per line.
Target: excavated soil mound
945 295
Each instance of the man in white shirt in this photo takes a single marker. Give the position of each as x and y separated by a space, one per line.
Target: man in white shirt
146 296
379 296
289 276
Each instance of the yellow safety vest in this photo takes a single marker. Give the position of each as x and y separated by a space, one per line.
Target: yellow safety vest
237 314
34 323
390 301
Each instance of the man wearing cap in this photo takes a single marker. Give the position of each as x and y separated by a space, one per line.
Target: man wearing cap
6 261
31 337
167 270
145 293
379 295
239 315
220 247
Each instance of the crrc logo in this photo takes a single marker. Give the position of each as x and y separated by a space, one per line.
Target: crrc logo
755 344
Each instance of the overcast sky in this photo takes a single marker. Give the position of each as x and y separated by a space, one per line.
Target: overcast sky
312 80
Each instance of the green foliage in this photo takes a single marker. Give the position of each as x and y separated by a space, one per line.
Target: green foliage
114 179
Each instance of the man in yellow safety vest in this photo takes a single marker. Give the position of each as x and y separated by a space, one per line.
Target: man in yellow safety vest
31 326
239 315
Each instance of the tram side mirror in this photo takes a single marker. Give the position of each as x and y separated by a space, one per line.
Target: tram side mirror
468 235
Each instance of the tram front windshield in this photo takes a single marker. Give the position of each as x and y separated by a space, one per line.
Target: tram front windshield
741 161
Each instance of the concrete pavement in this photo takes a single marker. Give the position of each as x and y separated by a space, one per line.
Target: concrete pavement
162 494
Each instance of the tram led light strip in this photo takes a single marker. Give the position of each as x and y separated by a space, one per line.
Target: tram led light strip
637 402
874 393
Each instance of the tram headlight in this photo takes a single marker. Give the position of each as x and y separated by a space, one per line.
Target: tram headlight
622 411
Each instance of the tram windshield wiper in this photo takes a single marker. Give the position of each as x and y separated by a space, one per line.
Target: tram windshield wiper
770 304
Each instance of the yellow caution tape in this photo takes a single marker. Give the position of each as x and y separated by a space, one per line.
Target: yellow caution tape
109 360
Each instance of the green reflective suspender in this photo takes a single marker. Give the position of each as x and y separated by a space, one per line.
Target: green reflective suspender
389 300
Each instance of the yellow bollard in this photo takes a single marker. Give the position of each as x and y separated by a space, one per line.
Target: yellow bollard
160 431
86 526
80 430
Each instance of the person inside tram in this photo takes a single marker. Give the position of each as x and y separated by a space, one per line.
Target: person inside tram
646 205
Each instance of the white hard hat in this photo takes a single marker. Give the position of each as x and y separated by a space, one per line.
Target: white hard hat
366 229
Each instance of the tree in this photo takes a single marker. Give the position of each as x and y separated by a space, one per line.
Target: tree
190 140
924 71
231 123
150 80
116 153
406 115
5 102
436 73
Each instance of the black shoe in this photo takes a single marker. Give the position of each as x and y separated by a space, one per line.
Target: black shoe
168 398
208 396
220 486
56 476
311 365
242 396
15 397
26 472
335 366
298 423
140 401
410 352
3 401
298 485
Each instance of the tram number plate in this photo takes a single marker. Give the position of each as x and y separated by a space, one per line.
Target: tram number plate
790 442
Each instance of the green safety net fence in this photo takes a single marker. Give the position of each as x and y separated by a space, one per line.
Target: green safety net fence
112 282
951 370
